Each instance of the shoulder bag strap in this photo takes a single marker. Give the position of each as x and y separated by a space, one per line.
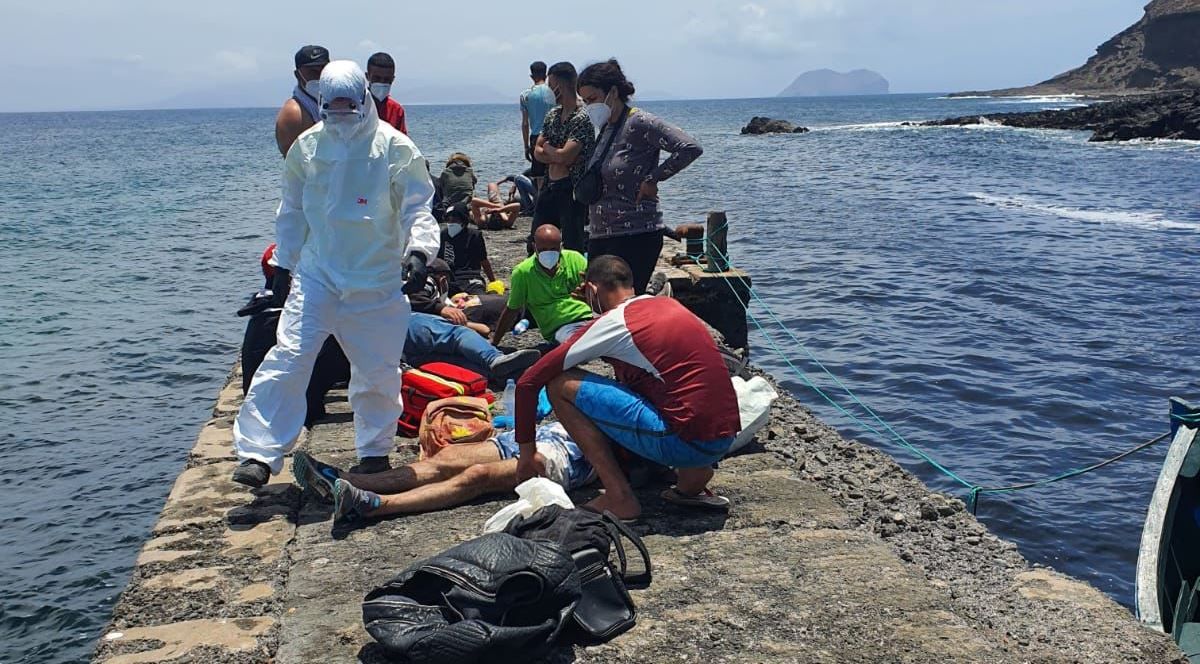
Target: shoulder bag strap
645 577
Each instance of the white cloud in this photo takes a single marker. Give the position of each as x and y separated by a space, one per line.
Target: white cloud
555 39
369 45
237 61
763 29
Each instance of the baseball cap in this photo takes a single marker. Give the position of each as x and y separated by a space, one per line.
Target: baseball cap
460 211
312 55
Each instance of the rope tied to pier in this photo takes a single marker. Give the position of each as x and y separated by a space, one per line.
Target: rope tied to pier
974 490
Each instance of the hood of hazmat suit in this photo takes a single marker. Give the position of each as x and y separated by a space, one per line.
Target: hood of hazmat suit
356 195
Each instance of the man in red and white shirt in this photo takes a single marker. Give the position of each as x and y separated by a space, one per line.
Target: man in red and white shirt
672 402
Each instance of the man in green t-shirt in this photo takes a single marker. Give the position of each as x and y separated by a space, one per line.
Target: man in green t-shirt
544 284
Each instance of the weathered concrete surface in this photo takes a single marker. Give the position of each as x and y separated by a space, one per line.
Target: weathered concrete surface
831 553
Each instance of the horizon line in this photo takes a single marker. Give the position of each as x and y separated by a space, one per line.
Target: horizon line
484 103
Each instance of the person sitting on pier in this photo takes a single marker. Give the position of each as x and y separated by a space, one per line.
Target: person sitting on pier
465 251
457 474
544 283
672 402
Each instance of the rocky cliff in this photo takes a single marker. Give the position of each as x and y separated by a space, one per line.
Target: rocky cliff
829 83
1159 52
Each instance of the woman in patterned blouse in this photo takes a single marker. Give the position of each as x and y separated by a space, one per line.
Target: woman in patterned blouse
626 221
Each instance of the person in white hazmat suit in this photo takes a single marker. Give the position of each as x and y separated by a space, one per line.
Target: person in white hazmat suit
353 232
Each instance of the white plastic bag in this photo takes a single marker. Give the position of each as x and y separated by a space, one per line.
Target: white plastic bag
754 406
534 494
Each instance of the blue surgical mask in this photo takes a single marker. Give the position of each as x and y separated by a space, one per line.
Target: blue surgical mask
548 259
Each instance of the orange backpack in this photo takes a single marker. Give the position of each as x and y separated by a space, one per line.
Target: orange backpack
452 421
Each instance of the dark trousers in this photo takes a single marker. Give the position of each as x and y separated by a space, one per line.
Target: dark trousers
556 206
331 368
640 251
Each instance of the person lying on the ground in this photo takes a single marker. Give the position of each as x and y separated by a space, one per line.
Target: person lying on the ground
522 190
465 251
672 402
544 284
455 475
434 298
499 211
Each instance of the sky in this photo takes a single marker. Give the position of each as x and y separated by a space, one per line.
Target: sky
109 54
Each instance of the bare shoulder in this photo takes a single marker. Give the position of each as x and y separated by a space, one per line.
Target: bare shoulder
290 114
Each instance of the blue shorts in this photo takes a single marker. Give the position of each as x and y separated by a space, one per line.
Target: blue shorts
633 423
565 463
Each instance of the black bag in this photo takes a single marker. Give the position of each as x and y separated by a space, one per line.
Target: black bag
606 609
590 186
496 598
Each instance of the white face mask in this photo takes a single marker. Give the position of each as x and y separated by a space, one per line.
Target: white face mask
548 259
454 229
380 91
598 113
313 88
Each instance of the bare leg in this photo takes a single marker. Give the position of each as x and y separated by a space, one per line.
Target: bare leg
618 496
472 482
447 464
691 481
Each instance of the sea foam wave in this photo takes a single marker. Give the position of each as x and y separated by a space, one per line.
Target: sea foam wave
1137 218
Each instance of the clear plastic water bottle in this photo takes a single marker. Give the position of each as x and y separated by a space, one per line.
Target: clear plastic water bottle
521 326
510 397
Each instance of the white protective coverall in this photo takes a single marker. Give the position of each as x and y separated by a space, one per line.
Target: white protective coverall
356 202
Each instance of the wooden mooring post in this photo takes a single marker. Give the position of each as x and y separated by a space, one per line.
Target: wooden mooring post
705 282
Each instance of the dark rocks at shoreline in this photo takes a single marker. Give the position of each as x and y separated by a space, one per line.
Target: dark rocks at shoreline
768 126
1168 116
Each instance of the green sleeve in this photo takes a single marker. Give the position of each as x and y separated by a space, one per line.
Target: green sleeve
517 291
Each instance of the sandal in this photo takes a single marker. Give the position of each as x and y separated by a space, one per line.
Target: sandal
706 499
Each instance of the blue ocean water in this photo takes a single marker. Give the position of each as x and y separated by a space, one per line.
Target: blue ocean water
1015 302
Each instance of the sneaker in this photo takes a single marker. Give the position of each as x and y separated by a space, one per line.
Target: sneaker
659 285
514 363
252 472
350 503
368 465
314 476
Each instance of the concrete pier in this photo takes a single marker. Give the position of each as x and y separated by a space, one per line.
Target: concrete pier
830 553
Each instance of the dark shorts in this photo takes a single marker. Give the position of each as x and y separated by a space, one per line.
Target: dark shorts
633 423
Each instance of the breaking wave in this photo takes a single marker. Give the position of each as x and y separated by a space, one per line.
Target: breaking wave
1140 219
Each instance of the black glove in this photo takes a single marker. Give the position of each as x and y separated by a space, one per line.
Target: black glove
281 283
415 273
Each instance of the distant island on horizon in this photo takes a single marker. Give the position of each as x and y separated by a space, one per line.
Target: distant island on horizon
830 83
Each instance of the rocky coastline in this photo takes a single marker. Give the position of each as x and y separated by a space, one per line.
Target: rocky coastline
1174 115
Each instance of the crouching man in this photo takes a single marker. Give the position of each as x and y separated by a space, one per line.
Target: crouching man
672 402
457 474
